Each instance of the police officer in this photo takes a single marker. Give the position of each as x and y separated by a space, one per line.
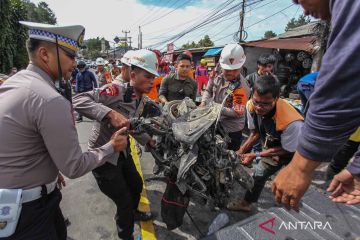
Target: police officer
118 178
232 84
38 137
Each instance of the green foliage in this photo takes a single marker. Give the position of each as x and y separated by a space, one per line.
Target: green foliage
269 34
13 35
293 23
205 42
93 47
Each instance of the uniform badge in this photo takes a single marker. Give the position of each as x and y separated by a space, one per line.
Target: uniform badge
111 90
3 224
5 211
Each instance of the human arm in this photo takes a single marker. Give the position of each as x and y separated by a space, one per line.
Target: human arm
93 80
164 88
57 128
334 111
208 93
94 105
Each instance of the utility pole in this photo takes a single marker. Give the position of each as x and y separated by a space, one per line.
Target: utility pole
242 14
140 38
130 41
126 38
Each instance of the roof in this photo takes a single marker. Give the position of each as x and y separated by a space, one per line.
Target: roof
213 51
196 50
299 43
304 30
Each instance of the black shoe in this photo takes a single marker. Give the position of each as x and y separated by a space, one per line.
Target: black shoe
142 216
79 119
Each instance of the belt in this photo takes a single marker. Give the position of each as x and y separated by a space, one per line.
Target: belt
32 194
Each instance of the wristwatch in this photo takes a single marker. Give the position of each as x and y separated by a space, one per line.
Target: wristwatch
258 156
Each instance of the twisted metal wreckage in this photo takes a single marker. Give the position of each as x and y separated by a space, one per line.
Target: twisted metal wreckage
192 153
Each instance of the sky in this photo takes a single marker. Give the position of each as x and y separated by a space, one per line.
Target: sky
162 19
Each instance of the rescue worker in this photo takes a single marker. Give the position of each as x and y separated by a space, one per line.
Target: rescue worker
265 65
85 81
201 75
178 85
277 125
118 178
38 137
125 68
233 84
101 73
153 94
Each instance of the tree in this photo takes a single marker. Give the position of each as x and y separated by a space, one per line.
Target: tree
293 23
205 42
40 13
269 34
93 47
13 35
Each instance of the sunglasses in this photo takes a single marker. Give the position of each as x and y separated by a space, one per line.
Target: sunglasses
68 53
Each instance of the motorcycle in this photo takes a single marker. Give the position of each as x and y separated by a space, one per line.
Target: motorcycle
191 151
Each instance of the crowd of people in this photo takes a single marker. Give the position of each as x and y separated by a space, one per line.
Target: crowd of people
39 142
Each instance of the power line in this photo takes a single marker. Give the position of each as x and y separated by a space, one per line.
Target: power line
169 4
147 23
218 15
213 12
269 16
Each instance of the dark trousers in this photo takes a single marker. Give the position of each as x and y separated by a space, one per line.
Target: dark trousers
123 185
342 158
41 219
263 171
236 140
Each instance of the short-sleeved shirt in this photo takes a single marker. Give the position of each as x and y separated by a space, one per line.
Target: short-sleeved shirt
172 88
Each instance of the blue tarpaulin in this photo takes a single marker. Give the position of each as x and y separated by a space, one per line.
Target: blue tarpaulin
213 52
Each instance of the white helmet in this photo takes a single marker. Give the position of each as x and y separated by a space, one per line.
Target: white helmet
232 57
146 60
126 58
100 61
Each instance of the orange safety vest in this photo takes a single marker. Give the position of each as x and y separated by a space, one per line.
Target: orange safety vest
153 94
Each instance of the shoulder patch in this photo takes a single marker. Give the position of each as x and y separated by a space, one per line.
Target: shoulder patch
111 90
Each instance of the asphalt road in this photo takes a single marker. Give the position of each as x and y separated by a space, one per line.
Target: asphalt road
92 214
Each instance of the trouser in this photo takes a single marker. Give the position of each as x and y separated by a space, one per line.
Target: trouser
202 82
236 140
342 158
123 185
263 171
41 219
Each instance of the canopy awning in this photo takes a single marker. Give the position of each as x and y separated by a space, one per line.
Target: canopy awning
302 43
212 52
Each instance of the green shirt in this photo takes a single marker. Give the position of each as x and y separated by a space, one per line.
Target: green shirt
174 89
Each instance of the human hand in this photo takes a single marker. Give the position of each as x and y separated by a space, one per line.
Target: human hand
117 120
119 140
202 104
151 143
292 181
345 188
61 181
247 159
239 109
